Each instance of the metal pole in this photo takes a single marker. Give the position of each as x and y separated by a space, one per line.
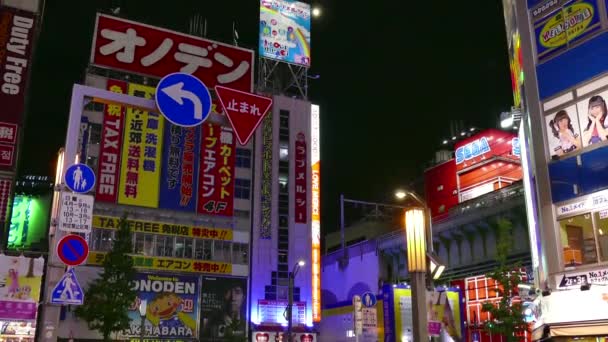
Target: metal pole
142 329
290 306
342 224
419 307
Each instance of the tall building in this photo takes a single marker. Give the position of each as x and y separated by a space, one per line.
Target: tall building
559 76
286 218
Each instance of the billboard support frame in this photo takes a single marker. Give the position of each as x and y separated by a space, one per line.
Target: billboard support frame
276 76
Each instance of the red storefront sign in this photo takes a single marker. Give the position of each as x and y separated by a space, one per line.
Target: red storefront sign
138 48
216 171
300 175
16 34
8 133
7 155
108 171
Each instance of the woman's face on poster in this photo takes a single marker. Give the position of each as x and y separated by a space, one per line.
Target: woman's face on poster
563 124
596 111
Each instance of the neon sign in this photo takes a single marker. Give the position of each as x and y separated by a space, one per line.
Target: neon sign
472 150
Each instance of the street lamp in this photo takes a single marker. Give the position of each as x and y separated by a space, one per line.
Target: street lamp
142 312
415 231
292 277
316 12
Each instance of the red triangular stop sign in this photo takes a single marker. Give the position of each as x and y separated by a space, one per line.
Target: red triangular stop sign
244 110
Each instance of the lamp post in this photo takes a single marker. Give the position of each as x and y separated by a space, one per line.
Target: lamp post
416 264
292 277
142 312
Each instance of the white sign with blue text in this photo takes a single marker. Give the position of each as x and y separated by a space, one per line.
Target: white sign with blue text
79 178
67 291
472 150
183 99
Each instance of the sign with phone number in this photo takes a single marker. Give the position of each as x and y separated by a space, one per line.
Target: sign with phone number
574 280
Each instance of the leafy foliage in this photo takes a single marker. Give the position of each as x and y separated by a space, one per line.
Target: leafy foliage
108 298
507 315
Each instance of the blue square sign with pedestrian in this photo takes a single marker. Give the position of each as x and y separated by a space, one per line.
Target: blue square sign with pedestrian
80 178
67 291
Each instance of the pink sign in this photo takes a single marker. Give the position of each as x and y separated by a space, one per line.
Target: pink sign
17 310
434 328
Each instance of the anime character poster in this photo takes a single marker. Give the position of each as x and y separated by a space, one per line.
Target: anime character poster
171 306
223 308
563 133
20 279
593 120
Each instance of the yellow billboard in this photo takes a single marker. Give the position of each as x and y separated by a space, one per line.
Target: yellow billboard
141 153
163 228
169 264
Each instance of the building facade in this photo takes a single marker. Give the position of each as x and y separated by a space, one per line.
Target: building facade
563 138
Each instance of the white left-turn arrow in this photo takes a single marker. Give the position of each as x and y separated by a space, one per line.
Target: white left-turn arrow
178 94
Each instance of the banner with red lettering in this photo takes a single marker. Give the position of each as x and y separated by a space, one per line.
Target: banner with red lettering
16 35
216 172
300 183
110 147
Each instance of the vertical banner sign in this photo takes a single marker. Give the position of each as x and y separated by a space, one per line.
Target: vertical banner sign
216 174
300 183
315 160
180 168
141 154
16 34
110 146
8 139
6 184
266 188
171 306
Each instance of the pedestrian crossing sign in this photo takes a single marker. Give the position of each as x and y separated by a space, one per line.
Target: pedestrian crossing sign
67 291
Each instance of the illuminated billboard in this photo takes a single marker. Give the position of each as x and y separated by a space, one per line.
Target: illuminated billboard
285 31
315 161
29 221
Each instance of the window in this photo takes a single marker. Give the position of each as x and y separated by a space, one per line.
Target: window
221 250
138 243
240 253
164 246
189 244
283 151
578 240
601 223
180 246
241 188
202 249
241 213
243 158
102 239
148 244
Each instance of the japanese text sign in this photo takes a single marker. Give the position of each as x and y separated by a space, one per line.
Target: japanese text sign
139 226
172 306
16 35
300 183
147 50
266 188
6 184
244 110
76 213
141 154
217 171
7 155
315 230
180 168
169 264
110 147
285 31
8 133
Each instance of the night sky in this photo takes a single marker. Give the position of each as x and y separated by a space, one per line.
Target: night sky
392 76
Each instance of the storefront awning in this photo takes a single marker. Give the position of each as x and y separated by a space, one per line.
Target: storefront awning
574 329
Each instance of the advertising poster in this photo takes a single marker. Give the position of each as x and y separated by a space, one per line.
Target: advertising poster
21 278
169 264
569 23
141 154
216 173
285 31
29 222
592 118
223 308
110 146
171 306
300 183
180 168
16 39
158 52
563 132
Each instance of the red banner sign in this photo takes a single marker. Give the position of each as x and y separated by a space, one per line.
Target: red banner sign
152 51
216 171
8 133
300 183
111 146
16 34
7 155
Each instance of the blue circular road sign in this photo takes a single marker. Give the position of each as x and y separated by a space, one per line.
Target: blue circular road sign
80 178
183 99
368 299
72 250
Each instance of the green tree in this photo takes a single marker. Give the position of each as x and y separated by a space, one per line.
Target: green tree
108 298
507 316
